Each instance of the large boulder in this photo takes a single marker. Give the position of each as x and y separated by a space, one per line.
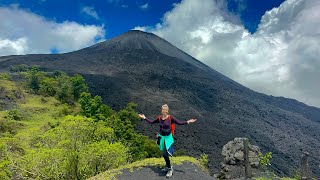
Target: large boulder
232 166
233 153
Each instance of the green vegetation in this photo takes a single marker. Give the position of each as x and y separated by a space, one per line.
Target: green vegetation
264 162
15 114
19 68
204 159
93 107
265 158
52 128
5 76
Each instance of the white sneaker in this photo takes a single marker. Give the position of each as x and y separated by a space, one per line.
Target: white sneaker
169 173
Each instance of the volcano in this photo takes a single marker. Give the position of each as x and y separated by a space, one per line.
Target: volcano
148 70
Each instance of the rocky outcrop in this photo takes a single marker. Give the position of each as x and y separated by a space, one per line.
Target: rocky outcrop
233 165
233 153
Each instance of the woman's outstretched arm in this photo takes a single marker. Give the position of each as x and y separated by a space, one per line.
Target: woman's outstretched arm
150 121
177 121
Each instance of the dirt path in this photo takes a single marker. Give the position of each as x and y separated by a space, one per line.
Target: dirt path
185 171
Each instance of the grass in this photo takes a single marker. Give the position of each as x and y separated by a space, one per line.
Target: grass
37 111
2 114
8 85
9 91
110 174
41 111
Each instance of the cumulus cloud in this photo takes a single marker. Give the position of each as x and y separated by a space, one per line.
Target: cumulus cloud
23 32
18 46
144 6
281 58
90 11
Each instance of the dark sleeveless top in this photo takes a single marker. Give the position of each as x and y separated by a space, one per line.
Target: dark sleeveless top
165 129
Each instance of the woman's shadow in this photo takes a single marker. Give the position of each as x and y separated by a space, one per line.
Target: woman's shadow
157 170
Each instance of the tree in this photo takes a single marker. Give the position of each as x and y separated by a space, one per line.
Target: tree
64 89
34 77
81 147
101 156
19 68
93 107
48 86
123 124
78 86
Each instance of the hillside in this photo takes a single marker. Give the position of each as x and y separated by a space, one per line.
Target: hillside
51 128
37 131
146 69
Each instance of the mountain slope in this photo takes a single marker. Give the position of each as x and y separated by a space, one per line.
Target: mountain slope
146 69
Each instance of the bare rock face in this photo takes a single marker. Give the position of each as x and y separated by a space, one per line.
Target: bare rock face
233 165
233 153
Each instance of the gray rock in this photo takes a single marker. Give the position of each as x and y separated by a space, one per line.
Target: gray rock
233 153
239 155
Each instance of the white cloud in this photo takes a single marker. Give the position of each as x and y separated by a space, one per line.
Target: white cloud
90 11
281 58
18 46
140 28
144 6
23 32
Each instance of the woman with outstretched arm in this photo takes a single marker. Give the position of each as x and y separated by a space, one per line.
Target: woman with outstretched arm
166 131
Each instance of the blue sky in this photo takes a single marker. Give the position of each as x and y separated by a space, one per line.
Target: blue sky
250 11
270 46
119 16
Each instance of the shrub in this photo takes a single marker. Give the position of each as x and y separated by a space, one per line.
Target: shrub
34 77
65 110
9 126
19 68
48 86
9 148
15 114
101 156
204 159
81 147
265 158
5 76
44 163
